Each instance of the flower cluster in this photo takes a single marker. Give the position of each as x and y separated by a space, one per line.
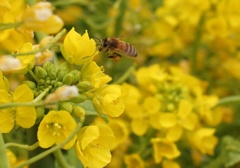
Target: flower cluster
168 108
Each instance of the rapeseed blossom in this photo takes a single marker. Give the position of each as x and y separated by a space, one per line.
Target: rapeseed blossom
92 146
55 127
78 49
22 116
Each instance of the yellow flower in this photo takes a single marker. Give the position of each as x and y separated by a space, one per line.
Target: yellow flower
204 140
91 72
4 85
10 39
24 116
27 61
55 128
40 18
120 130
216 27
92 146
4 7
164 148
133 161
204 105
229 9
77 49
20 64
170 164
131 100
148 77
109 100
11 157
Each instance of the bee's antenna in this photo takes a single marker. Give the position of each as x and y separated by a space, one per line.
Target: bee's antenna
99 40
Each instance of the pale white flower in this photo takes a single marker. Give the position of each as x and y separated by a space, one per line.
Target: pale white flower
62 93
9 63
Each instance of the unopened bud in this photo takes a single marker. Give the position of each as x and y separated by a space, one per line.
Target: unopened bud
30 84
79 99
40 72
51 70
63 69
66 106
73 75
68 79
79 112
84 86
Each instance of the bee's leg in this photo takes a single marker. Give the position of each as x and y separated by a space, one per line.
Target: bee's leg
107 50
115 56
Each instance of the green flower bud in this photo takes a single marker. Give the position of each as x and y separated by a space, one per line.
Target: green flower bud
66 106
30 84
79 99
84 86
61 73
63 69
40 72
76 77
40 112
78 112
76 74
68 79
51 70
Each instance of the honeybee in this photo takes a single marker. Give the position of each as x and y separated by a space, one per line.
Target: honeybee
117 48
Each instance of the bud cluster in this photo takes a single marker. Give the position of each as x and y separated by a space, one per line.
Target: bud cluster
48 76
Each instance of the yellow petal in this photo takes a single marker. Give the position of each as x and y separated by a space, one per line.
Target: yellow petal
6 121
185 108
26 116
139 126
87 135
174 133
168 120
5 97
23 94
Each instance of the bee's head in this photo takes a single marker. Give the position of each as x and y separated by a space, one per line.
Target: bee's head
104 44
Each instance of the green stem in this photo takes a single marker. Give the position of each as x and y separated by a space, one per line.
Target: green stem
229 100
37 99
16 104
60 159
197 43
3 157
51 150
27 147
34 76
9 26
121 6
125 75
34 103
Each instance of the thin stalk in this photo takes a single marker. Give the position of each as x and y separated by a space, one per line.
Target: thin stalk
60 159
27 147
16 104
197 43
125 75
34 76
3 157
229 100
9 26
